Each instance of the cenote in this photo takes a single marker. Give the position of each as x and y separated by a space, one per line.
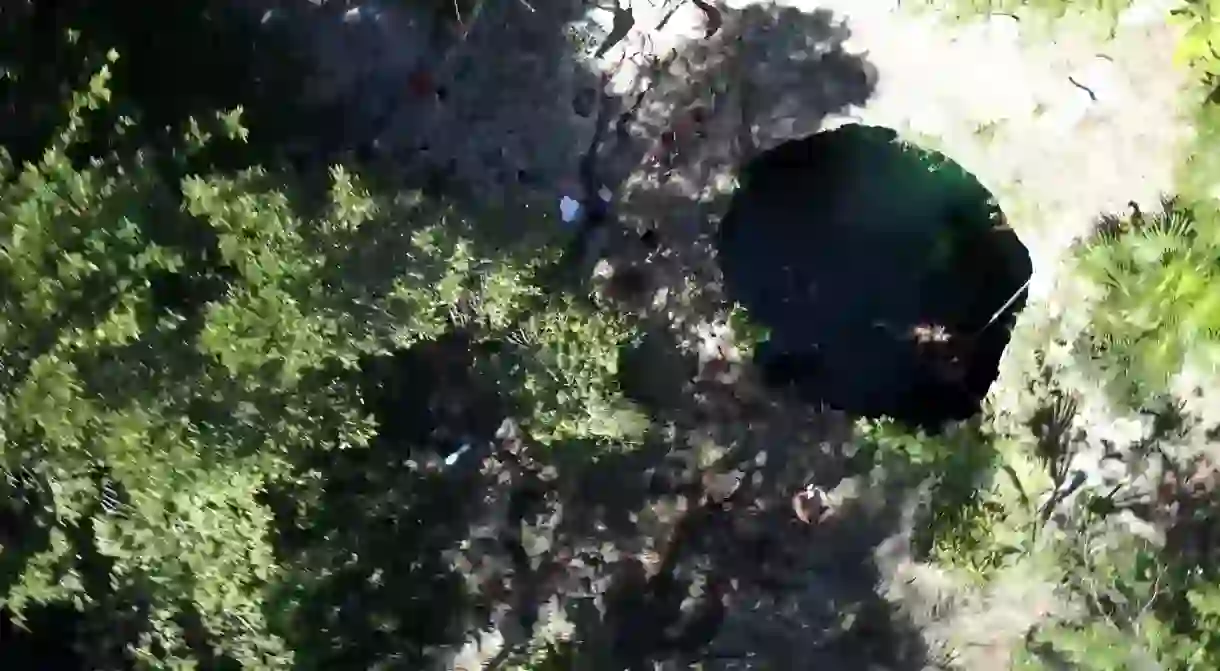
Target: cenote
880 270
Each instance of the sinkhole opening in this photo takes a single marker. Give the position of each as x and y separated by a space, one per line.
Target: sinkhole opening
885 274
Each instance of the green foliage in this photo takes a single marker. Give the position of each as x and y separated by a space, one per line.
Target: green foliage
1144 606
1148 605
1198 48
565 375
1160 307
1199 171
1140 611
101 389
960 513
960 445
747 333
173 349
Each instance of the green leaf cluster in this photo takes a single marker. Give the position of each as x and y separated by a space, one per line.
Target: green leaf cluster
960 515
1159 308
1199 47
173 348
748 334
564 374
1140 610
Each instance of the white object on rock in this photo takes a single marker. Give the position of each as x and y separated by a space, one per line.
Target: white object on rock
569 209
659 298
603 270
481 647
604 194
715 339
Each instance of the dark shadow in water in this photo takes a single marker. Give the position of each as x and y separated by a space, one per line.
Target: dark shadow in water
878 267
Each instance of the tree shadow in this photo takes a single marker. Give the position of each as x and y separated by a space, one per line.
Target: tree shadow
414 545
735 583
477 109
769 75
404 555
44 634
371 577
42 639
175 61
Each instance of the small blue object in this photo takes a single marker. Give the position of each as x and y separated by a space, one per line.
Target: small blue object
569 210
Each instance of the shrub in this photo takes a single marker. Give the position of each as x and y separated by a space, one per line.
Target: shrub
172 349
1159 275
1141 608
957 520
1199 47
748 334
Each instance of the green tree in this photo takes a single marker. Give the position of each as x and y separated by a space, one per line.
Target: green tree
173 349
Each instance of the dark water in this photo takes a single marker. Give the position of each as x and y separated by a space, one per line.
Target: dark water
842 242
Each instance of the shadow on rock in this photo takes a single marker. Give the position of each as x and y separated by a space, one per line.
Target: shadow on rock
739 583
768 75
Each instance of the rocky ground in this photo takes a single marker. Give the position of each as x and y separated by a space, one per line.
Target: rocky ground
1062 124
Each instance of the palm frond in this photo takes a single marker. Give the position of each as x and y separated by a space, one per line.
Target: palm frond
1161 295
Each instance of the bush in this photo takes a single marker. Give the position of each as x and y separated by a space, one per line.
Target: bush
172 349
1140 608
1159 310
1198 48
956 524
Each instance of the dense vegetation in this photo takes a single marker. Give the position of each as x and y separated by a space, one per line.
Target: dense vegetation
193 363
1138 564
212 375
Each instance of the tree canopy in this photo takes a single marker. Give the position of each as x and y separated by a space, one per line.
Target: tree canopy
176 351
